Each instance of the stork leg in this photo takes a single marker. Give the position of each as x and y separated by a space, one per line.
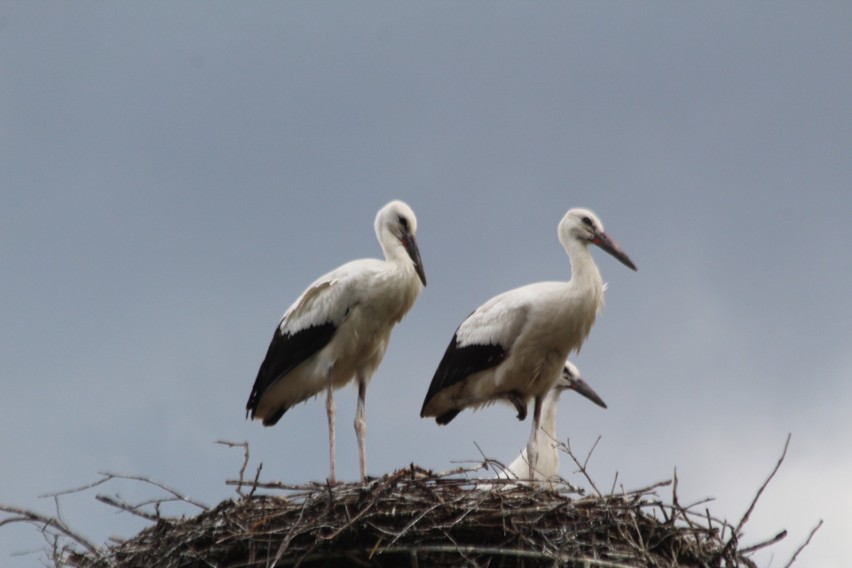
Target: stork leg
329 409
532 445
361 426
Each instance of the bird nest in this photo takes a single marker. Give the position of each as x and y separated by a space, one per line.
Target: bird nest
414 517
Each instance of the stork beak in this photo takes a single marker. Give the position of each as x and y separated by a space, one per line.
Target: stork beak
606 243
583 388
410 244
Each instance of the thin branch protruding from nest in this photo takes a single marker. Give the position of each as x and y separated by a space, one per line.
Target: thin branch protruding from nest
47 523
76 489
804 544
245 447
582 467
755 547
125 506
177 494
735 535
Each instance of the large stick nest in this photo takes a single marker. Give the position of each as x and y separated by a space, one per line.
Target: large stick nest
416 518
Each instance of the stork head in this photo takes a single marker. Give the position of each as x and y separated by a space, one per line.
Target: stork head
572 380
582 225
396 223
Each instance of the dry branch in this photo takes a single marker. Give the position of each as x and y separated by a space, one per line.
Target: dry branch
737 532
804 544
49 526
174 492
245 447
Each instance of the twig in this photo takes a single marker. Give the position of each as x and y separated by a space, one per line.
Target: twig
256 477
675 505
777 538
76 489
162 486
488 463
591 450
614 482
736 532
649 488
25 516
582 466
124 506
245 447
804 544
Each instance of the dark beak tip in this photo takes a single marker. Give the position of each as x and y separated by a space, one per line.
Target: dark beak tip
625 260
599 401
622 257
603 241
586 391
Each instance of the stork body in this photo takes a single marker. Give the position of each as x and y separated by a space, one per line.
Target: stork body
513 347
546 439
339 328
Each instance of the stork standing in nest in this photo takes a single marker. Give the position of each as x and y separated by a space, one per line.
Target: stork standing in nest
513 347
547 438
339 328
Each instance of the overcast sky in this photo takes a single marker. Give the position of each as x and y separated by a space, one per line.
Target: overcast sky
172 176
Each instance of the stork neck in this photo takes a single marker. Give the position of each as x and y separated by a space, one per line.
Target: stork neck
584 271
548 417
394 251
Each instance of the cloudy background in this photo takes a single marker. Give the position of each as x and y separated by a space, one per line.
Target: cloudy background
173 175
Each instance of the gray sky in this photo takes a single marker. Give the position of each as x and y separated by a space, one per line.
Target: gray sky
173 175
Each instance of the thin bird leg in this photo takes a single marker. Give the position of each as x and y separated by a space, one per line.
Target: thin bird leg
329 409
361 426
532 445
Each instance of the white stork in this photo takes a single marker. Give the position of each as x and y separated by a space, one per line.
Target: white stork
512 348
546 439
339 329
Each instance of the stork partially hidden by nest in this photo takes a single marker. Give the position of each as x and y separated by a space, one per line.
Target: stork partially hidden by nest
546 441
338 329
513 347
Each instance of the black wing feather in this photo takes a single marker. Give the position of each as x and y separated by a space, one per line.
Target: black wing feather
286 352
459 363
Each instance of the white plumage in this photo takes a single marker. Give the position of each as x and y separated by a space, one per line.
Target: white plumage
512 348
338 329
546 439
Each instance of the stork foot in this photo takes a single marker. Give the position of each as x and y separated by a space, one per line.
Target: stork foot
518 402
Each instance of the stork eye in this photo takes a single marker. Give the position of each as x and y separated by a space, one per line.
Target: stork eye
403 222
587 221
